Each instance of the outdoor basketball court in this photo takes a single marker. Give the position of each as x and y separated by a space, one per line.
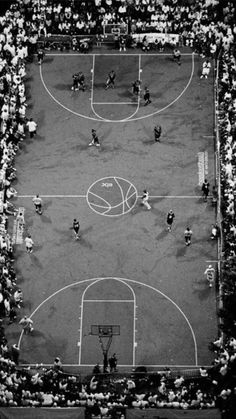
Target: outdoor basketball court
127 272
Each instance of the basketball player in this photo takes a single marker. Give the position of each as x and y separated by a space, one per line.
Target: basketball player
145 199
146 96
81 81
76 227
170 219
157 133
38 204
136 87
110 80
95 140
188 234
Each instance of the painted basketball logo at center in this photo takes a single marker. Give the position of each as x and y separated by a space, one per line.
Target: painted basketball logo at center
112 196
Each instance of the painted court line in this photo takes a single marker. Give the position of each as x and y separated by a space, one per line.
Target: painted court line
138 196
122 54
108 301
115 103
125 281
122 366
53 196
129 118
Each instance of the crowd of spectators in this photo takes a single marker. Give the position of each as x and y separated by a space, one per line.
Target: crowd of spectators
202 24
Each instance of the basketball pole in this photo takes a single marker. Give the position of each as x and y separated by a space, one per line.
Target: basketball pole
105 350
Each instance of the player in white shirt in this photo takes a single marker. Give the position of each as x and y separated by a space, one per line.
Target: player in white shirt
38 204
145 199
29 244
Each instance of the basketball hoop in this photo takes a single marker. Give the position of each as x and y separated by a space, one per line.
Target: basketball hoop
105 334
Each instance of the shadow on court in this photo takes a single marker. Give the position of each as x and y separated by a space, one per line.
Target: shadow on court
46 219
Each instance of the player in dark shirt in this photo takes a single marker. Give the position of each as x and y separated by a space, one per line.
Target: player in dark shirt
76 227
146 96
170 219
136 86
78 81
205 189
111 79
95 140
75 85
157 133
81 81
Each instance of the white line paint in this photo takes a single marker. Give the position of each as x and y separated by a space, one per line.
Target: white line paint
121 280
128 119
52 196
134 319
123 366
122 195
138 196
108 301
115 103
92 102
110 55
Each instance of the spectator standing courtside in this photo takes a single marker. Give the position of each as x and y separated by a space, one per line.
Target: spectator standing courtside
188 235
38 204
170 219
95 140
32 127
177 56
40 56
122 44
206 66
29 244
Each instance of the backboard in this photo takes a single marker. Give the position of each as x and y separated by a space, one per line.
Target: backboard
104 330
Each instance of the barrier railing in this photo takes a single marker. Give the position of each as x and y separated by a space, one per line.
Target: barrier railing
218 183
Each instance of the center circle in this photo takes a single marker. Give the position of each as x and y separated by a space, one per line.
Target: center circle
112 196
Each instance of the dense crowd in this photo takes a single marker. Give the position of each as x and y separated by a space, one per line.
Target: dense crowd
208 26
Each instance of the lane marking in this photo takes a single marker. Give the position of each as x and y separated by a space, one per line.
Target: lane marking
92 95
118 120
53 196
115 103
108 301
134 314
124 280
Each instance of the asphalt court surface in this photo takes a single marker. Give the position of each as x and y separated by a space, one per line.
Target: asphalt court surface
134 243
